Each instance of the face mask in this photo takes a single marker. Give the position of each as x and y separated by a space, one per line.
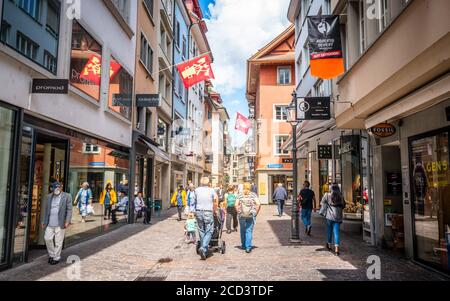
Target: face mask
57 191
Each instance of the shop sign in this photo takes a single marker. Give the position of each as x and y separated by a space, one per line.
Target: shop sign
97 164
325 152
314 108
148 100
346 148
122 100
394 183
287 160
383 130
50 86
272 166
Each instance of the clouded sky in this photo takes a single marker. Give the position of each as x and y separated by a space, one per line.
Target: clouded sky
237 29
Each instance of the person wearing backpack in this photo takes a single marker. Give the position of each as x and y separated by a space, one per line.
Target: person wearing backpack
333 205
248 207
230 200
308 202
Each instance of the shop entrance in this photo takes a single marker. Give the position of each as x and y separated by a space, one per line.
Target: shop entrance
44 160
287 182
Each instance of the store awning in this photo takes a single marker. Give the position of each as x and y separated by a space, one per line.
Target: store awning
156 150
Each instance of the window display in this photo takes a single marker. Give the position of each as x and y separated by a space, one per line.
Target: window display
120 89
431 194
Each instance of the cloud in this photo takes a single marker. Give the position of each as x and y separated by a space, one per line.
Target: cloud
237 29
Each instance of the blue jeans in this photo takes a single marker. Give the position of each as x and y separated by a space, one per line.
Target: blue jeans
205 222
247 224
333 228
280 204
306 216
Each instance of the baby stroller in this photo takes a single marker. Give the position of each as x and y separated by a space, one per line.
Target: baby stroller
216 243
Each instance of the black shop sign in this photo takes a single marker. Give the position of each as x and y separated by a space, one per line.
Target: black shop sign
314 108
325 152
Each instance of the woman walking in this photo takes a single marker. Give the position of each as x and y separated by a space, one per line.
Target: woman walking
247 206
108 198
333 205
179 200
230 201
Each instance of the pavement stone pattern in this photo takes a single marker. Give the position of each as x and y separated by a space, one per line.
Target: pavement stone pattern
158 252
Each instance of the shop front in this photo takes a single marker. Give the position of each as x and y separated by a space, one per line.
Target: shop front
342 157
413 178
9 117
71 158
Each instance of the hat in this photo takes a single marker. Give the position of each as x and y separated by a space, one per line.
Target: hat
56 185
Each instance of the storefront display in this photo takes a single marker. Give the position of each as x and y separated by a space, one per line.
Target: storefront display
7 127
431 197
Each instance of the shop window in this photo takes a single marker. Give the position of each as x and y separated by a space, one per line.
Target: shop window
7 121
85 62
120 89
430 176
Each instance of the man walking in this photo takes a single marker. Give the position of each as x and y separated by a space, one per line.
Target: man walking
280 196
308 202
206 207
57 218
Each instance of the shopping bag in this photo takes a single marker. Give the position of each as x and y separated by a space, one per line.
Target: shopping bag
90 210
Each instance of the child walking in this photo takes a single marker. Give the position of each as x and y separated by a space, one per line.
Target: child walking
190 228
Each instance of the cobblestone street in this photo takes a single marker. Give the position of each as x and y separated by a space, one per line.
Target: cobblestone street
158 252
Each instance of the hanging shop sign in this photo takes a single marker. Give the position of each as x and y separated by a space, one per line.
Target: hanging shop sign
314 108
287 160
325 46
122 100
50 86
148 100
383 130
325 152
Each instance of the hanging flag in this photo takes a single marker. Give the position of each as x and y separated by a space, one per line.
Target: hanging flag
325 46
196 70
243 124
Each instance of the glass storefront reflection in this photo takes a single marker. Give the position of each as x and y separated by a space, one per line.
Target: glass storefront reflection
98 164
431 192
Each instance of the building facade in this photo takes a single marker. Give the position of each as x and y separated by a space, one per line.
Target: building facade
81 136
270 82
401 179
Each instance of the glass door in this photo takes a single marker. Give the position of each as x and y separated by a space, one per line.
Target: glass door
49 166
24 196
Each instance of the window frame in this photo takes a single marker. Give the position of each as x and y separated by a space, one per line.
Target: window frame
275 107
275 146
279 68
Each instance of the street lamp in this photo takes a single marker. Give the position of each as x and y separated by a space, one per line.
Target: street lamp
292 118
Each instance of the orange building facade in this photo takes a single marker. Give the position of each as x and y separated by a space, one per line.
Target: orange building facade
270 82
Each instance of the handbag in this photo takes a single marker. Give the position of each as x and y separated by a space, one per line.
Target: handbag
324 208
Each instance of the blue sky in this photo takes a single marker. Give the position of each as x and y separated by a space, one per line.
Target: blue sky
237 29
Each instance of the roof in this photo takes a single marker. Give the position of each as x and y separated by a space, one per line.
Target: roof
280 50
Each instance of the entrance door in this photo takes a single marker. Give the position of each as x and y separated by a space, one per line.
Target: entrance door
49 165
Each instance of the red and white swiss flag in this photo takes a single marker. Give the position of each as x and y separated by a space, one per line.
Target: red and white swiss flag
243 124
195 71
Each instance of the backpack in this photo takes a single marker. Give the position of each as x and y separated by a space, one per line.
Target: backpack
247 206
